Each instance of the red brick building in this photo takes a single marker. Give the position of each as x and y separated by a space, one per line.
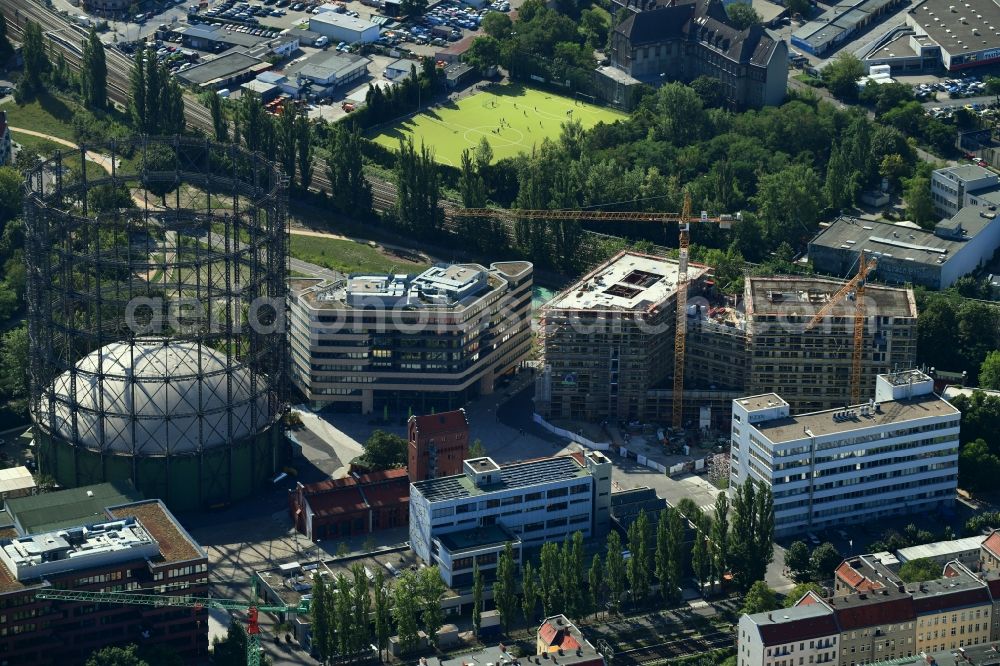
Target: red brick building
135 546
351 506
438 443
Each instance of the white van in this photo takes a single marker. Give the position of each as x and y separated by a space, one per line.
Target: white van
322 41
224 93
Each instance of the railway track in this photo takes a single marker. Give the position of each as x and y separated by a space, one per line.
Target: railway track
675 649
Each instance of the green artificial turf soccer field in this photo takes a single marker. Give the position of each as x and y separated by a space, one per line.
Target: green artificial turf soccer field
513 118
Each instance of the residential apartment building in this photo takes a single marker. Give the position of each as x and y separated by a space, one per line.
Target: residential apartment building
434 340
989 554
896 454
456 521
351 506
679 41
96 538
437 444
952 611
557 637
784 637
874 626
608 343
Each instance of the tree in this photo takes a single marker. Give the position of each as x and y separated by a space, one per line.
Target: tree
989 371
760 599
615 567
484 52
477 597
824 560
94 73
789 202
504 588
36 60
720 536
404 610
841 76
700 559
978 467
800 7
572 575
497 25
662 557
361 605
286 140
383 618
137 90
797 560
919 570
383 450
549 579
675 554
116 656
470 184
344 619
13 369
11 195
219 126
742 15
919 204
800 591
431 589
303 139
707 89
476 449
638 563
595 580
6 49
350 190
529 592
157 160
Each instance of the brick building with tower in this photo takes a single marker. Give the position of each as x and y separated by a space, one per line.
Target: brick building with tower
351 506
438 443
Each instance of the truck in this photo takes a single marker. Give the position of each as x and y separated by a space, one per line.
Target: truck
441 31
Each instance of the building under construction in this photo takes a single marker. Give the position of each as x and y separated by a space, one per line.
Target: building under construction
608 343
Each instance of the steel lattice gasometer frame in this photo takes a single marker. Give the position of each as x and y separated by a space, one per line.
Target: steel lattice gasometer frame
156 317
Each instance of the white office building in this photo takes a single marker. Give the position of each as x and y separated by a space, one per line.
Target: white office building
457 521
953 188
896 454
344 28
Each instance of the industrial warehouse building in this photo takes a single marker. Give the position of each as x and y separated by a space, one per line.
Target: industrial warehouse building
940 34
96 538
667 41
608 343
329 70
343 28
227 71
955 248
374 342
820 474
459 521
841 23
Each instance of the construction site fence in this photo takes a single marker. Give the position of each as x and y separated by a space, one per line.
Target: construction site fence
579 439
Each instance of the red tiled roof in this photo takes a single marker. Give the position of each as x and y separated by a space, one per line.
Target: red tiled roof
801 629
384 494
809 599
992 543
432 424
557 638
888 611
345 499
349 494
855 579
957 599
384 475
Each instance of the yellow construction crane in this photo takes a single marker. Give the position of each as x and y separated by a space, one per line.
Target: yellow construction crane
855 285
684 220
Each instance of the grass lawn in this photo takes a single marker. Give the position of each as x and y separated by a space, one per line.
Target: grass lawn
46 114
43 147
513 118
349 256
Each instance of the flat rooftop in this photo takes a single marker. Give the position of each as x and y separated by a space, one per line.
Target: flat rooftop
176 545
66 508
941 548
804 296
954 25
223 67
890 241
843 17
763 401
515 475
628 282
823 423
